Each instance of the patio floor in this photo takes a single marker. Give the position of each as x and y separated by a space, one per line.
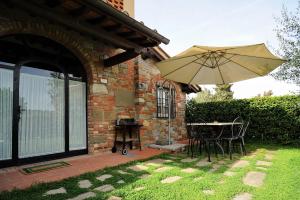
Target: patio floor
11 178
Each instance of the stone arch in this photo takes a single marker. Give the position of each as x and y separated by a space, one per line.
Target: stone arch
70 40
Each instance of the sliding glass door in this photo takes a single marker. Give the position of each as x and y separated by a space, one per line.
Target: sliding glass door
6 113
42 108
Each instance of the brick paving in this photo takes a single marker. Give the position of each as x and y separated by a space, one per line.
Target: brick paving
11 178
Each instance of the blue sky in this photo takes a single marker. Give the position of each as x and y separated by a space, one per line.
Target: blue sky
218 23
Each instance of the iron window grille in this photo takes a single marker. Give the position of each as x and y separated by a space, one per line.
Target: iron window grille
162 96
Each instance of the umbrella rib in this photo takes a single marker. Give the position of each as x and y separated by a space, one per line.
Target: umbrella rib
218 66
174 58
180 67
243 66
199 69
236 54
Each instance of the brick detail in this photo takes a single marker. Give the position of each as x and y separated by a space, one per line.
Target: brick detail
118 4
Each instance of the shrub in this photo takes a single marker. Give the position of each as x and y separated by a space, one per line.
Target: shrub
275 119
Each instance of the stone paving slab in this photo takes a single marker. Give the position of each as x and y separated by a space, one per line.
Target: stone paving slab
121 182
84 196
215 167
198 178
171 179
123 172
262 168
188 170
105 188
114 198
84 184
203 163
269 157
163 169
138 168
263 163
157 162
139 188
144 176
209 192
255 179
188 160
229 173
243 196
104 177
61 190
240 164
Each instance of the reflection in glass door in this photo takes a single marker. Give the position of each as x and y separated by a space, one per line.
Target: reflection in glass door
41 125
6 113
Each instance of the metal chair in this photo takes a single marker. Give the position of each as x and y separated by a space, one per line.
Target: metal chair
236 132
241 137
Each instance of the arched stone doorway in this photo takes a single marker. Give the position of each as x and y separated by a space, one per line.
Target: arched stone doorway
43 104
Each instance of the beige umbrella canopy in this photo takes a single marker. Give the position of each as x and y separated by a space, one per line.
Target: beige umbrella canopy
219 65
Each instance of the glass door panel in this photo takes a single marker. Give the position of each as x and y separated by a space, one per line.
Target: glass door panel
6 113
77 115
42 108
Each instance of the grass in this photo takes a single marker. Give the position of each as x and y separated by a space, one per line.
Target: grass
281 183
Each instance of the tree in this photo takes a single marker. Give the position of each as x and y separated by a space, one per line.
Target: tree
204 96
222 93
288 35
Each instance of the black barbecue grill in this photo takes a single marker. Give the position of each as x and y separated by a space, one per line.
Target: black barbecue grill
127 132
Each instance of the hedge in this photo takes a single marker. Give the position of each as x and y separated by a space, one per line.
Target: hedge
273 119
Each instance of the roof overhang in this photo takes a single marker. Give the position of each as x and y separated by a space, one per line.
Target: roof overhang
99 21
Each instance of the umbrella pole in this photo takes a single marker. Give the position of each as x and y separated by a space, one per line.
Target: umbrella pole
169 120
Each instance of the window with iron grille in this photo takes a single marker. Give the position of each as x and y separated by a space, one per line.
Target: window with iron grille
162 96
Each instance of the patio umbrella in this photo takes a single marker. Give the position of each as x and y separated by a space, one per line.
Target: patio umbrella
219 65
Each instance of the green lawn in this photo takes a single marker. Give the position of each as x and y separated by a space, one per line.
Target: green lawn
282 179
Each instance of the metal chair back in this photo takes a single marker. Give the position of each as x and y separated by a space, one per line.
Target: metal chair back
237 127
245 129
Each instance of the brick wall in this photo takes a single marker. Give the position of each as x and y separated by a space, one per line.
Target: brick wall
118 4
112 91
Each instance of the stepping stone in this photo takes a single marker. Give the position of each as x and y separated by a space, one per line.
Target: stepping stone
209 192
173 157
269 156
188 160
203 163
222 162
198 178
84 184
122 172
61 190
240 164
144 176
215 167
84 196
138 168
189 170
262 168
139 188
121 182
104 177
162 169
263 163
156 162
114 198
105 188
243 196
228 173
222 181
171 179
255 179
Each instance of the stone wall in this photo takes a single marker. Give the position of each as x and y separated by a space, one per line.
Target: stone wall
114 92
